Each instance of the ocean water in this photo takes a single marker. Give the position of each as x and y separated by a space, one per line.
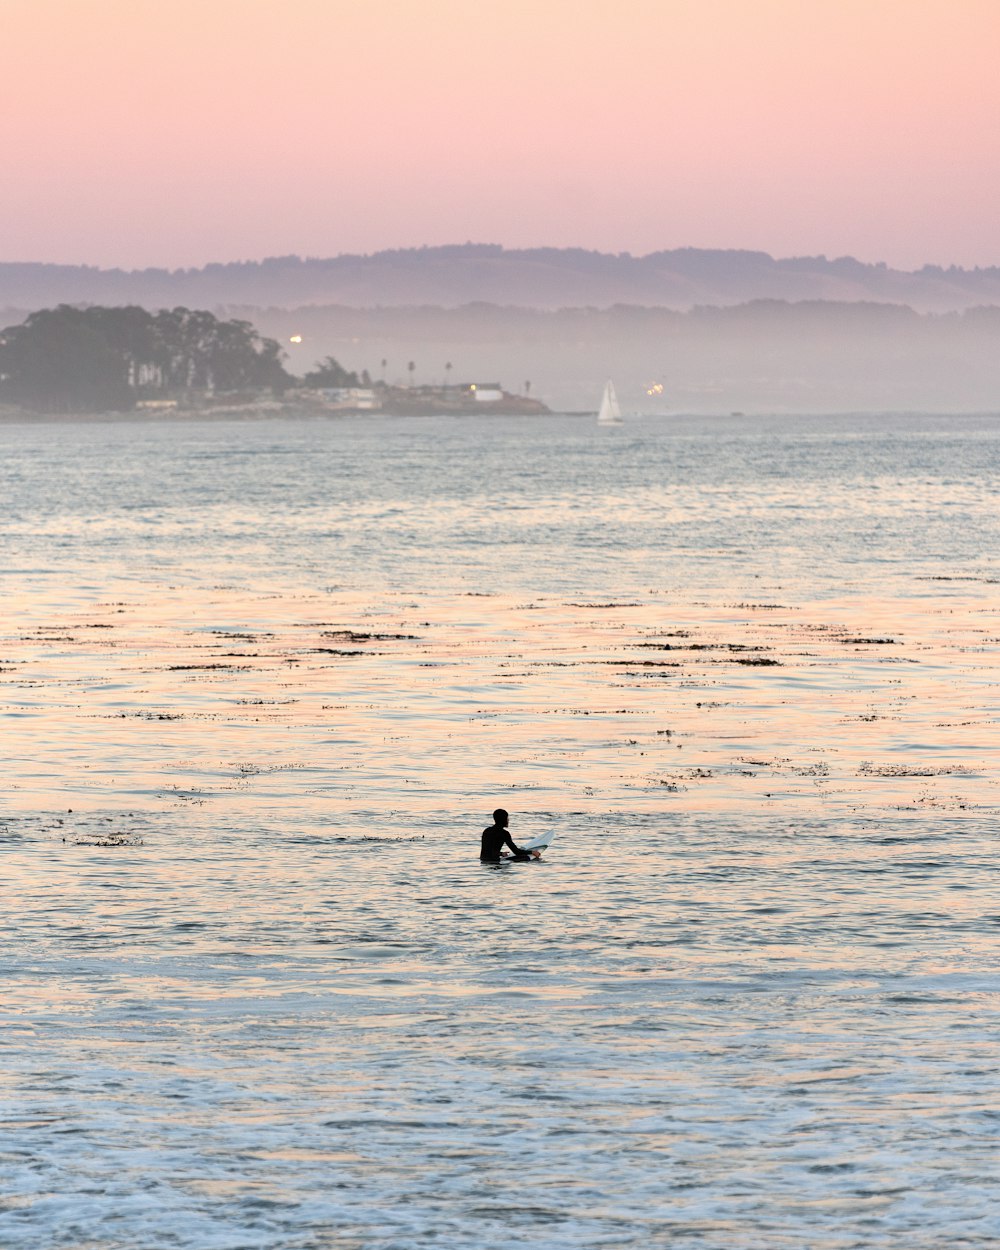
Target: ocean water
262 684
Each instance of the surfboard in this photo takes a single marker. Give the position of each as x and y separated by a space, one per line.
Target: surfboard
541 843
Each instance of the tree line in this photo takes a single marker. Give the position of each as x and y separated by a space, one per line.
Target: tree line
70 359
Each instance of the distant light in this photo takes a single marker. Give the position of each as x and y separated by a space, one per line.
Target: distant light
296 338
655 389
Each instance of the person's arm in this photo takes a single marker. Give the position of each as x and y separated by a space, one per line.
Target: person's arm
509 841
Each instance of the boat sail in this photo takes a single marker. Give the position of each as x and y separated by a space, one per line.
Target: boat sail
610 413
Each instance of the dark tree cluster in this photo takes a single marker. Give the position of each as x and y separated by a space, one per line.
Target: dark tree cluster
330 373
69 359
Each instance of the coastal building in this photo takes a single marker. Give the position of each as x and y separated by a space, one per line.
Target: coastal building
464 399
485 392
352 398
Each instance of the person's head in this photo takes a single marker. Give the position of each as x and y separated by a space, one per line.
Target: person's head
500 818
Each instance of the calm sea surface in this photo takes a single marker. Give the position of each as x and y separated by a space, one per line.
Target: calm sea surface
261 685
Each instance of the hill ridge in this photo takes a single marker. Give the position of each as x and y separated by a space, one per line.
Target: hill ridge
450 275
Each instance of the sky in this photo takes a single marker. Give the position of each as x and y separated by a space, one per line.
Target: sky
174 133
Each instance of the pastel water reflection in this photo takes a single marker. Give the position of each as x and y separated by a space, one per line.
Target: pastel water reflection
262 685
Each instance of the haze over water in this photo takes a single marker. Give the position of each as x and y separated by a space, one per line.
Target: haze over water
747 669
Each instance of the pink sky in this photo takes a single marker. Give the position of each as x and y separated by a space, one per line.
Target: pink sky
176 132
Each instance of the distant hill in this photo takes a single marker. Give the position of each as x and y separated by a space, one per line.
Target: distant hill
540 278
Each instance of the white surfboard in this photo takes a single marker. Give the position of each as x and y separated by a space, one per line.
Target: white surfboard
541 843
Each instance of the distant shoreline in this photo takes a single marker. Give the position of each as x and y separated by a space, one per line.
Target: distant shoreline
192 416
291 412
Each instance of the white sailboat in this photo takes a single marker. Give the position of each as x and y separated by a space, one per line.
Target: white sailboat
610 413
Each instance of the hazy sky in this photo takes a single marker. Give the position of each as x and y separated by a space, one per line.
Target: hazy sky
175 132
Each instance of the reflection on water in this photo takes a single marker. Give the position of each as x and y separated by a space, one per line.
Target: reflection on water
338 707
262 686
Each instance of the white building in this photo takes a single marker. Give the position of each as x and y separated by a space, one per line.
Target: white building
353 398
486 392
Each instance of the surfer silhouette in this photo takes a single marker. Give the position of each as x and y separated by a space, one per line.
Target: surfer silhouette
496 837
